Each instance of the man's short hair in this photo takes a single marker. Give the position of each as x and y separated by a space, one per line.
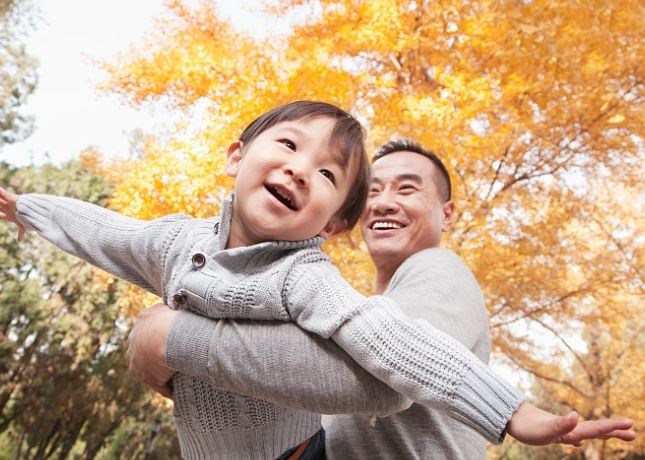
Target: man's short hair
442 178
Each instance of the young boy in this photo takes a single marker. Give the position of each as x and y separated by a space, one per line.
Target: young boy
301 176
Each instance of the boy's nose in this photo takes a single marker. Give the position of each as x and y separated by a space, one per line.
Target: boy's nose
298 173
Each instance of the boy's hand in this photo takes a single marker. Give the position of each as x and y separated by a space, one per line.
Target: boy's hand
147 348
536 427
8 210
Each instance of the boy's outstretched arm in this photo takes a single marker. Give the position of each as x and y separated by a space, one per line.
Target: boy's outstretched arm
131 249
8 211
533 426
414 358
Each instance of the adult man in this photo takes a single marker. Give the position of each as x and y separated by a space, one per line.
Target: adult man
408 208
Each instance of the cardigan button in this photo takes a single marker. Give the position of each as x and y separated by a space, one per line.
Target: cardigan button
198 260
179 299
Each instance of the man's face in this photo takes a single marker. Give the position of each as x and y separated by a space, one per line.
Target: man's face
404 213
289 184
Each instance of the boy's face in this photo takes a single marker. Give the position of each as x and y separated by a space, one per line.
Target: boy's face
290 184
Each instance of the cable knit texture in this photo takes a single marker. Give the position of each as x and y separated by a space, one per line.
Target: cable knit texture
185 261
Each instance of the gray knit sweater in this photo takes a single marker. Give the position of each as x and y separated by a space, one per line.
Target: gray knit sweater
316 375
185 261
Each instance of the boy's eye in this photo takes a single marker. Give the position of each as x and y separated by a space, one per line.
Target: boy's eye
329 175
407 188
288 143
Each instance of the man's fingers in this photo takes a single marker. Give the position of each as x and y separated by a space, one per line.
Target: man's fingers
163 390
156 308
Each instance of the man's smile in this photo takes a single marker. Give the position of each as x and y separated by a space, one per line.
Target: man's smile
386 225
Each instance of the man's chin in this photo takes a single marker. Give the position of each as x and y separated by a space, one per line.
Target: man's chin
383 248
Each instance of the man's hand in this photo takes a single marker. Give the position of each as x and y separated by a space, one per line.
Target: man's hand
536 427
147 348
8 211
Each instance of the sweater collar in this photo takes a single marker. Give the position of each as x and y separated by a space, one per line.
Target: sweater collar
226 215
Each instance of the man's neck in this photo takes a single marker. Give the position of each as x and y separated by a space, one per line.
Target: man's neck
384 274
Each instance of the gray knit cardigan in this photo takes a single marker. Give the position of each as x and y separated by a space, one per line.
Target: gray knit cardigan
185 260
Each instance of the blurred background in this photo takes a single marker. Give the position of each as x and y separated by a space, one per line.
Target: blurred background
535 106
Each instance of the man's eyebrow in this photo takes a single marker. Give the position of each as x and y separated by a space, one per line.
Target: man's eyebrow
400 178
409 176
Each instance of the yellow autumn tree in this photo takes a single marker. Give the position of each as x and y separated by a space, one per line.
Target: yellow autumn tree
537 108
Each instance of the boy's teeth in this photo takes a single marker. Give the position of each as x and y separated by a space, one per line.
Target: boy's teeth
282 197
286 198
385 225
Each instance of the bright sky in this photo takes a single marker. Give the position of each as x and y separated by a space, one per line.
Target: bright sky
69 114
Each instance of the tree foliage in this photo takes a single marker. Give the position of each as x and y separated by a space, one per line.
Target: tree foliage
17 70
537 107
64 386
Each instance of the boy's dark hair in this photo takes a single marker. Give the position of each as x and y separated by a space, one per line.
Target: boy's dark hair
346 137
442 178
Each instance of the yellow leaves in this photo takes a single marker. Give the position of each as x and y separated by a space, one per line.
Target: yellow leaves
618 118
535 107
595 64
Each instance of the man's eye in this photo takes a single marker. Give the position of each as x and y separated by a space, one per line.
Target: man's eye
329 175
407 188
288 143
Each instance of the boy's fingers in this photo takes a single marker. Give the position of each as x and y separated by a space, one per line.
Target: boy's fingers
21 232
623 435
6 196
601 429
564 425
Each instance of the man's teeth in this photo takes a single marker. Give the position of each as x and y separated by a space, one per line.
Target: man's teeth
385 225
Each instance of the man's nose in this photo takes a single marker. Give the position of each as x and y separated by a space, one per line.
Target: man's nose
383 203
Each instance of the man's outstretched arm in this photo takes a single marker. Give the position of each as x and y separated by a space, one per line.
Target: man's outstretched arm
270 360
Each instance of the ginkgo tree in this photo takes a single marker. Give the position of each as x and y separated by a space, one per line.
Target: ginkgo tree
536 106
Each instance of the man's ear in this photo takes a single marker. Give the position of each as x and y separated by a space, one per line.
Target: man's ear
333 227
448 211
233 158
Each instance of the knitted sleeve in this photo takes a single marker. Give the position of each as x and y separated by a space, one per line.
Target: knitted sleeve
278 362
130 249
411 356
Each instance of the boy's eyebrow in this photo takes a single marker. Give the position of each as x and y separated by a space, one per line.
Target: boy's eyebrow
335 155
338 157
297 131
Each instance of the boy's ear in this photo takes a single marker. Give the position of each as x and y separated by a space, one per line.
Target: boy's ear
233 158
333 227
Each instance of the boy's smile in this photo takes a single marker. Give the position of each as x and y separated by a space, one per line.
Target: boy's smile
290 184
283 195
